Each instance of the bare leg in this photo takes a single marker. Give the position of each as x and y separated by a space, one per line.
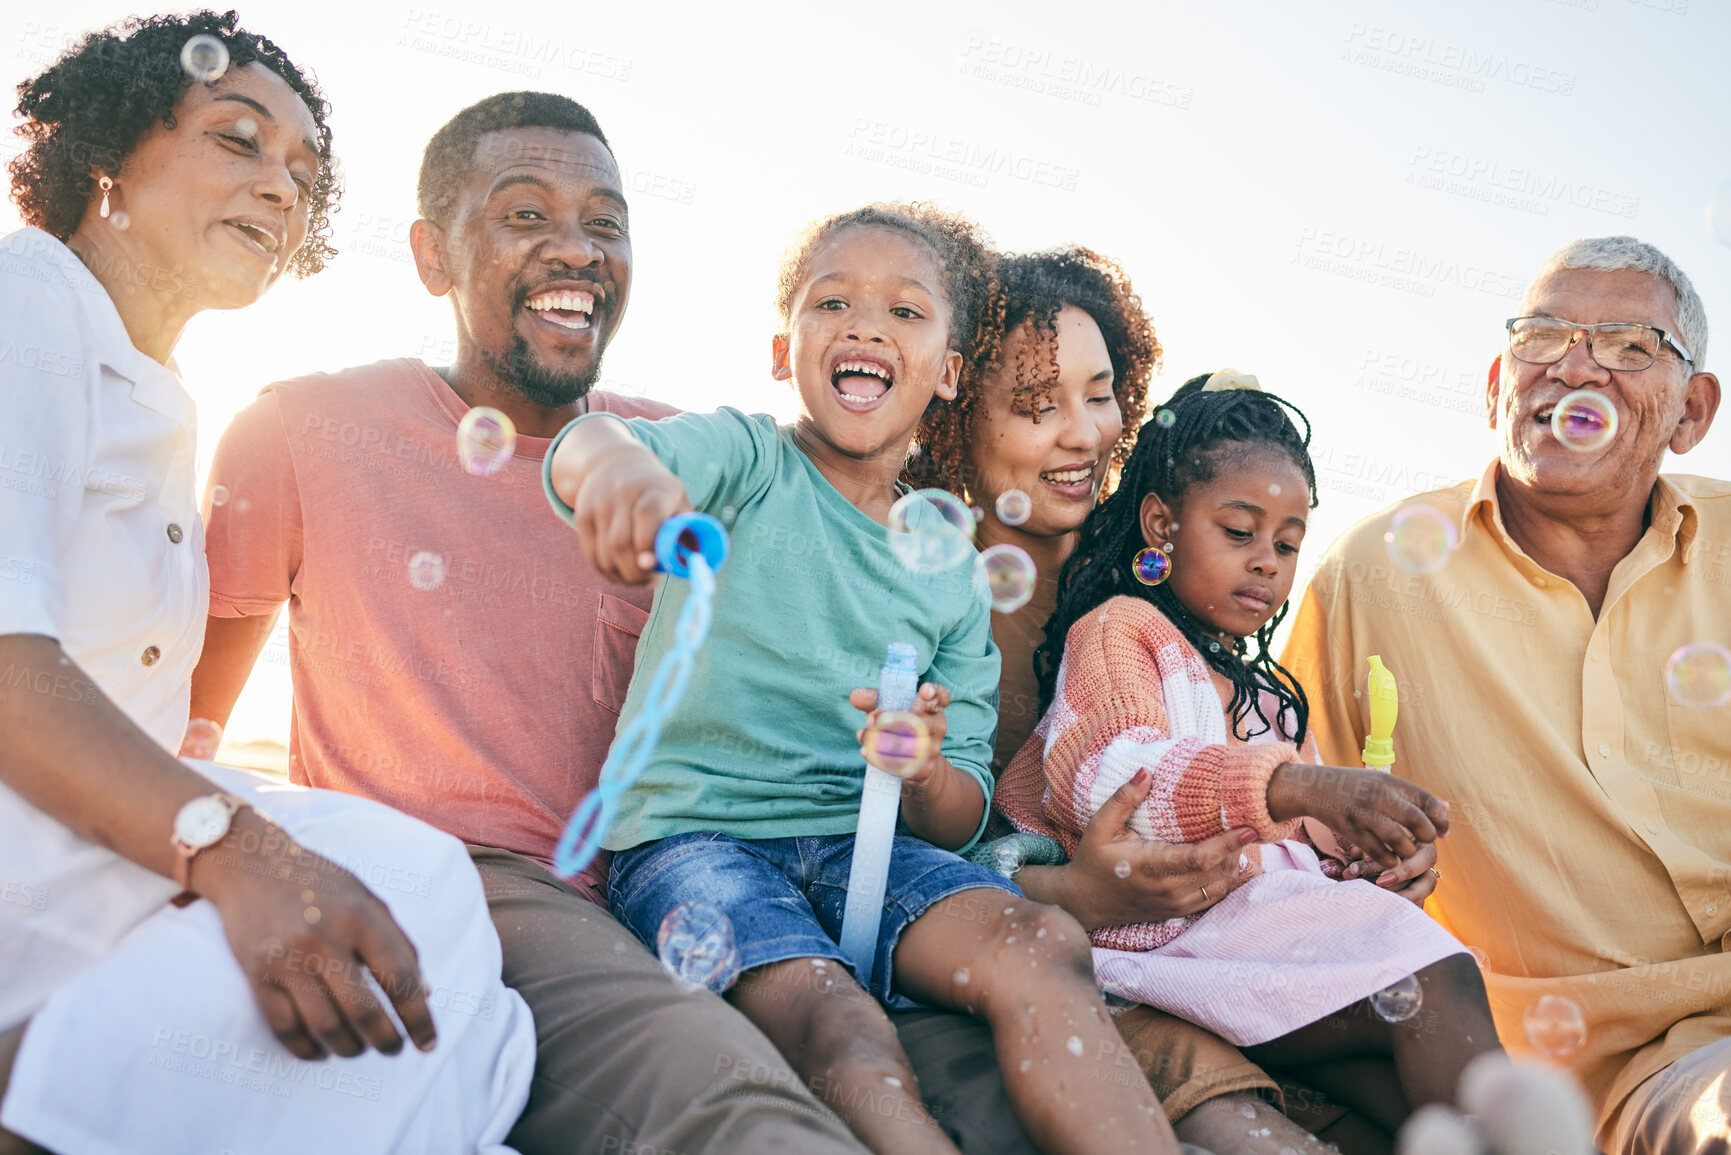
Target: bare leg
1244 1123
1028 971
1430 1050
840 1042
1368 1085
1356 1135
10 1041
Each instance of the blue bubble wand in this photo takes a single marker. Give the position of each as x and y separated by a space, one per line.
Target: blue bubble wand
692 546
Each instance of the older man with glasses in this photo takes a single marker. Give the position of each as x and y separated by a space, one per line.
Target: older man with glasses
1565 685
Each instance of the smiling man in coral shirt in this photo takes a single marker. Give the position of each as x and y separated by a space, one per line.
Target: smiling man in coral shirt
455 656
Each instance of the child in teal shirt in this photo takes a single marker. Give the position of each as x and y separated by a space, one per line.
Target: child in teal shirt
751 798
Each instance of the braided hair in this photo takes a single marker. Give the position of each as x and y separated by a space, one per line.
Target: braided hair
1193 436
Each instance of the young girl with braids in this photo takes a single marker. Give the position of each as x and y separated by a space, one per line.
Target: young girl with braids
1157 663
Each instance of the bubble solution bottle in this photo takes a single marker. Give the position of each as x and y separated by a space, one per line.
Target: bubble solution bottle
898 685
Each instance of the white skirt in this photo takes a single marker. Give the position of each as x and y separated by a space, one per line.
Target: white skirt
1287 948
143 1034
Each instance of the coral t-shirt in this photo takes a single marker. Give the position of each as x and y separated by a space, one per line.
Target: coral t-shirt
453 653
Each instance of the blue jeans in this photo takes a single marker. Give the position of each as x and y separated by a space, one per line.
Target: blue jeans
785 896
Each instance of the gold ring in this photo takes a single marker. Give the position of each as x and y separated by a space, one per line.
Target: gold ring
1205 894
1436 872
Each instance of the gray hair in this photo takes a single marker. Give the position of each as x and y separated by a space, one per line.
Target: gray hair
1612 254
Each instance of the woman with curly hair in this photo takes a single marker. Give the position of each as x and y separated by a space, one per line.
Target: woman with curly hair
1033 445
1047 413
174 165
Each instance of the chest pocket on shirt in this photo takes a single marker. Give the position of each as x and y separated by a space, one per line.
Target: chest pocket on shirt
618 625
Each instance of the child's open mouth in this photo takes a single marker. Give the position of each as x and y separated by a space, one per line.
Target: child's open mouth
566 308
862 382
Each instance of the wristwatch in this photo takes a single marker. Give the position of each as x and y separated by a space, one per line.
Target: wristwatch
200 824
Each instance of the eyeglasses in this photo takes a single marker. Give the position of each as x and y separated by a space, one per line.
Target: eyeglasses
1620 345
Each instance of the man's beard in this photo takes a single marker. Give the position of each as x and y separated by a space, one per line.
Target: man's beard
547 388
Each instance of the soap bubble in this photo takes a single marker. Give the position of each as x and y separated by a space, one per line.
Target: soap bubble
696 946
202 739
1398 1002
246 126
1073 1044
204 58
119 221
1165 418
1584 420
1014 507
1480 957
897 742
1122 869
426 570
1719 213
1009 574
1152 566
485 439
930 530
219 496
1420 538
1699 675
1555 1025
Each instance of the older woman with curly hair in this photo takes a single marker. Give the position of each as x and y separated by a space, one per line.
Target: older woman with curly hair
1033 441
174 165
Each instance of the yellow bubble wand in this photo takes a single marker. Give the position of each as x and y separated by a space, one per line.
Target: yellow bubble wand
1384 705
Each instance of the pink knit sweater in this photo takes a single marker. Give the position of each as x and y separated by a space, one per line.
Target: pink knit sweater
1133 693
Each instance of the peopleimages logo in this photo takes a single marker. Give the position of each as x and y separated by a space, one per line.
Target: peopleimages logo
1451 65
1398 266
1513 186
1074 78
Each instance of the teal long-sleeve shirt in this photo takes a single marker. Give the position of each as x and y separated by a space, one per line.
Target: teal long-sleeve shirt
762 745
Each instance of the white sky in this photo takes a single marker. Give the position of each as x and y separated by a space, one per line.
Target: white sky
1345 198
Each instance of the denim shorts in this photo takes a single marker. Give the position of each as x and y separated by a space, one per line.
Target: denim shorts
785 896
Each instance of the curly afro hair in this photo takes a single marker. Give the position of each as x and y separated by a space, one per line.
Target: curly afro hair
965 257
1036 286
90 108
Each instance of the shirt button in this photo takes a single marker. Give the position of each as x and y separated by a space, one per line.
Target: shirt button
1539 582
1652 828
1604 750
1712 909
174 533
150 655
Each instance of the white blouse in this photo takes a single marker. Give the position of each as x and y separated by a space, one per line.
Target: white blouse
101 546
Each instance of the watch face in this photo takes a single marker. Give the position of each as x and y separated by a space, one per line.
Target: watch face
202 821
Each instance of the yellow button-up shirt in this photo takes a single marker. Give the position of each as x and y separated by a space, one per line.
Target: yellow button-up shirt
1589 853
